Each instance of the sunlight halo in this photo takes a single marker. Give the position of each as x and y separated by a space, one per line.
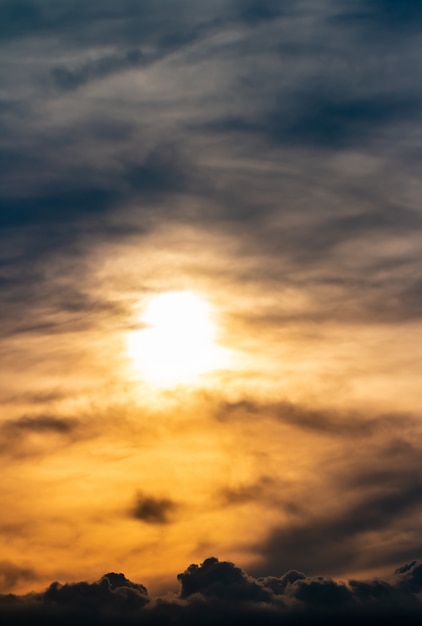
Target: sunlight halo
177 343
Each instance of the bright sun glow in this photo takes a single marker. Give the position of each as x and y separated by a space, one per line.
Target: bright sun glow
178 341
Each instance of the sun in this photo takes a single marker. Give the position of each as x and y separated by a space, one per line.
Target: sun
178 342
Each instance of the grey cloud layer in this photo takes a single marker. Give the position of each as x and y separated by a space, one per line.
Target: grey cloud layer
282 84
367 482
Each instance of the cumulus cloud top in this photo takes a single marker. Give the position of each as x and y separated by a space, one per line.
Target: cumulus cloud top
220 590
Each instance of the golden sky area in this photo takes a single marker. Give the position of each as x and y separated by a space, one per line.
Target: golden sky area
210 340
107 461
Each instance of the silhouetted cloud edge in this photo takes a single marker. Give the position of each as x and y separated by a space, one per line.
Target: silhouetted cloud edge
220 591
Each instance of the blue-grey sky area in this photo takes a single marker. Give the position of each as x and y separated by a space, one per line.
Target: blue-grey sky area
292 125
266 155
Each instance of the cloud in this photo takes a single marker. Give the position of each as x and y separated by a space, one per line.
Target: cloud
153 510
55 206
329 421
391 15
112 593
278 140
249 492
359 506
98 23
221 580
58 213
40 424
369 498
220 591
18 18
11 574
321 594
31 435
332 121
163 170
71 78
35 397
254 11
77 172
409 576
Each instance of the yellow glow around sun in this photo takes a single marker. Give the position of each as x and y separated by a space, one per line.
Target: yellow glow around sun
178 343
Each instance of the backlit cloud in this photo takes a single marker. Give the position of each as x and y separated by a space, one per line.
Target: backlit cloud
220 590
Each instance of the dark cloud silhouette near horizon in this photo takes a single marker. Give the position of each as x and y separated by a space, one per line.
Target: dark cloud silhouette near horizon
218 590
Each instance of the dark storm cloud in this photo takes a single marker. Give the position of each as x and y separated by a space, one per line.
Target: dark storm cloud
219 592
153 510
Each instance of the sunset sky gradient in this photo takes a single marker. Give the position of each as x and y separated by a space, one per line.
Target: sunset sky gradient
264 158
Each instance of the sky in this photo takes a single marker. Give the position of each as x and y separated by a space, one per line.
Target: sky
261 160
